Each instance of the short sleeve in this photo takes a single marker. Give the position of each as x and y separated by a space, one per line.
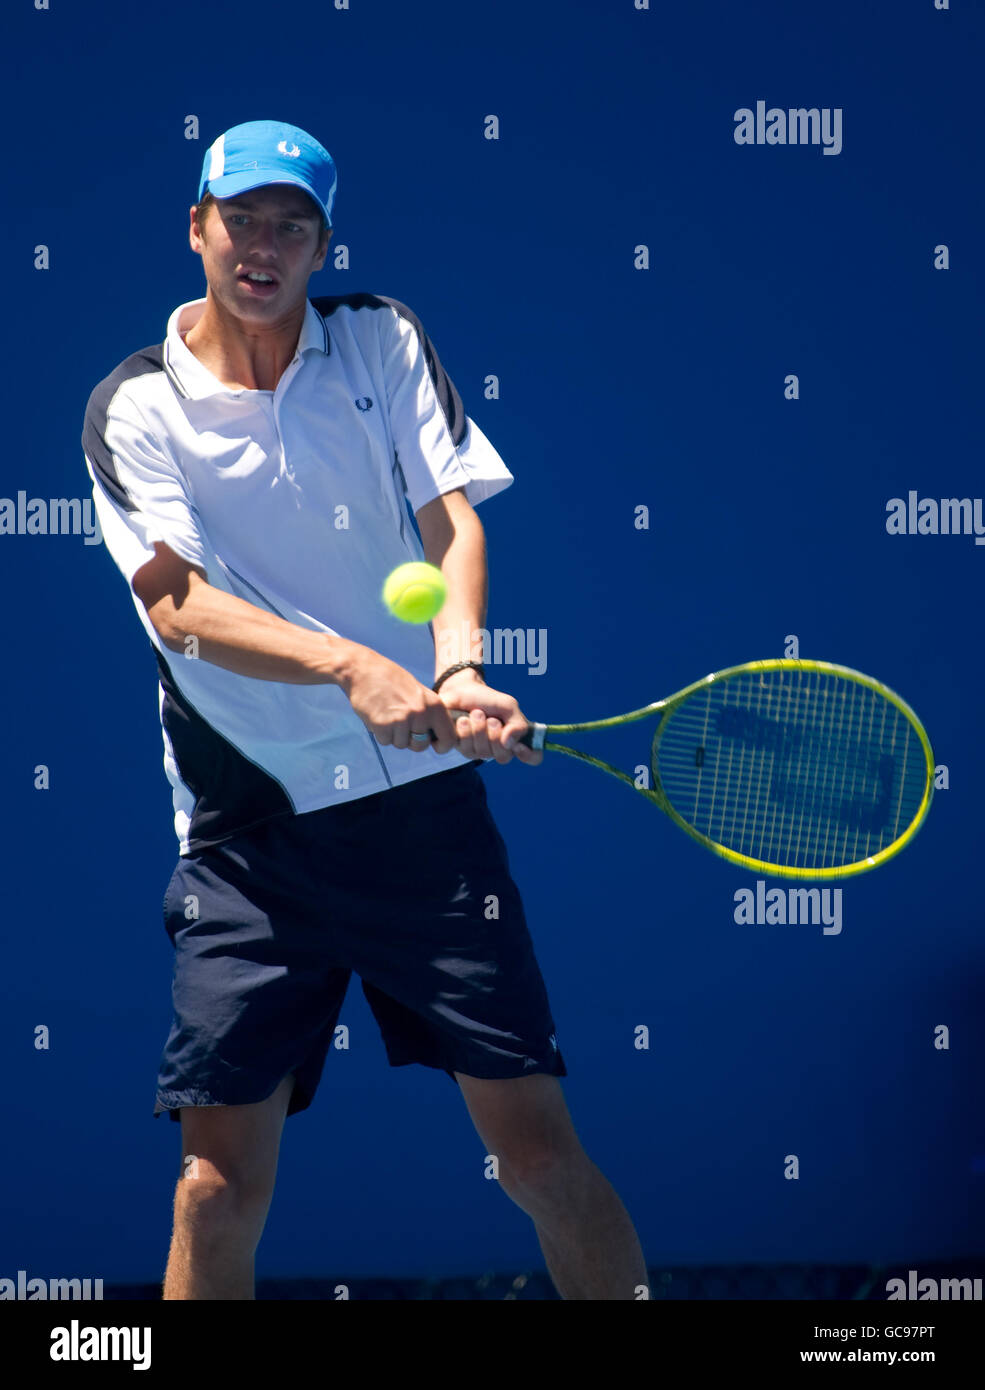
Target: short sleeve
437 446
139 493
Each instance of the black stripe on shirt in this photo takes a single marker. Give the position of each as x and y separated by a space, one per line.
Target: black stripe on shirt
142 363
444 387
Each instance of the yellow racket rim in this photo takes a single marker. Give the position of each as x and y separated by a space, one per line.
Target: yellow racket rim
760 866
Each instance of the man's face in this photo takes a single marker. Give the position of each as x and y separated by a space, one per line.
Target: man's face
273 231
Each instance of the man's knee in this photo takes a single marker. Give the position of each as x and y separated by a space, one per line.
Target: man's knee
528 1170
211 1195
229 1160
215 1215
526 1124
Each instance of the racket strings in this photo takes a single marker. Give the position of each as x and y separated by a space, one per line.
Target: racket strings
797 767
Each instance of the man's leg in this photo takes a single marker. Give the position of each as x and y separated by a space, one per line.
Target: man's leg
229 1164
589 1243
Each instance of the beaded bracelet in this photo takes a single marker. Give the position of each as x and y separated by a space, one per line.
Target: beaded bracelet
459 666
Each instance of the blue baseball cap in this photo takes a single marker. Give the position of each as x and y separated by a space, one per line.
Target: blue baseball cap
261 152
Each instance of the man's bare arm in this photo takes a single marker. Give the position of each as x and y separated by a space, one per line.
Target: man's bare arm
232 633
240 637
453 538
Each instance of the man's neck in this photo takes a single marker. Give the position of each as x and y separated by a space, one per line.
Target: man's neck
240 355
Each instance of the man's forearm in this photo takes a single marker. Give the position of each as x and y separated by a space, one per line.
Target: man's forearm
458 627
214 626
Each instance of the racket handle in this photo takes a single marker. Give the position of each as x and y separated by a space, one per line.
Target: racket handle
533 737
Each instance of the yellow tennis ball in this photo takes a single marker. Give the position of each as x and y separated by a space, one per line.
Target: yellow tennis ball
415 592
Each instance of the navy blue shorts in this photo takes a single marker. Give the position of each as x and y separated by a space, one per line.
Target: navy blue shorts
411 889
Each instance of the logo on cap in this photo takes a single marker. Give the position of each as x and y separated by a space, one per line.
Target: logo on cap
291 150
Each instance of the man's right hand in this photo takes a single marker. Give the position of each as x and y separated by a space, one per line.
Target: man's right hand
394 705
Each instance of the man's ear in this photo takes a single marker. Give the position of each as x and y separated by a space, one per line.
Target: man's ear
194 231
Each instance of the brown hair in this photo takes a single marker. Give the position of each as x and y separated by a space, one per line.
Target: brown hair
206 201
202 209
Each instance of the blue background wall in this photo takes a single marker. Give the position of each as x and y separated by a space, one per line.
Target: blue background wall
619 386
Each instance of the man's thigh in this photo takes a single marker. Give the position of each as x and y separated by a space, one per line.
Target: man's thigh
446 959
236 1145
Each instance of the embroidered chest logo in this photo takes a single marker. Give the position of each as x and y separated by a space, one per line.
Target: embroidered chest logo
364 403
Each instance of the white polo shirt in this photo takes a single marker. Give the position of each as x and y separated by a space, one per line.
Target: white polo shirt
295 500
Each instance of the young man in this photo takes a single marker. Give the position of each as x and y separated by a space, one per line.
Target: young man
252 476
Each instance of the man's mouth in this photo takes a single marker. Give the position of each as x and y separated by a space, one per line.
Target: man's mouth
259 278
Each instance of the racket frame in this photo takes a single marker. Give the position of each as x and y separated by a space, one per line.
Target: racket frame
538 737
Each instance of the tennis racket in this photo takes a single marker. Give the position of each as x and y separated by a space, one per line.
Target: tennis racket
798 769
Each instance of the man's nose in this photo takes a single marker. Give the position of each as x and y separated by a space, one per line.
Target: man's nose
262 237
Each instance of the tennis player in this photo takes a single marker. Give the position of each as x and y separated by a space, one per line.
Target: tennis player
256 476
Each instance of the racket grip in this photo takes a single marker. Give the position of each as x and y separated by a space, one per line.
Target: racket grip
533 736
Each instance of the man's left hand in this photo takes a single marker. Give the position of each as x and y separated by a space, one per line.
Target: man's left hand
493 724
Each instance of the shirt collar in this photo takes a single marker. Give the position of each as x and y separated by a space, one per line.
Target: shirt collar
192 379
